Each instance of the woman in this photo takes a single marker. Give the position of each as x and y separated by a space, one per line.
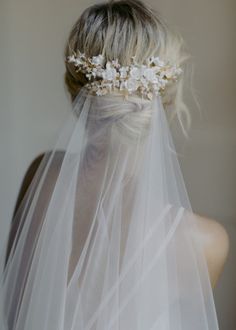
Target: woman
103 235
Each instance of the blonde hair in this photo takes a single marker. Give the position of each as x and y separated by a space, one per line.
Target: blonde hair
120 29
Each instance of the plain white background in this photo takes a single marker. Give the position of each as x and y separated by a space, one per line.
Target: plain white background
33 105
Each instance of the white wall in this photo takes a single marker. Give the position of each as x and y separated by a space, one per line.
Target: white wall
33 105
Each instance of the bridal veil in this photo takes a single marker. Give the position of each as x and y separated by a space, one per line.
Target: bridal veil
105 237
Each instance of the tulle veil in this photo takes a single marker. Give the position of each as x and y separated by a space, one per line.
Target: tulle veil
105 236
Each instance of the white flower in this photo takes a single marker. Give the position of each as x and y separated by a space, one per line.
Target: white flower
97 60
149 74
131 85
158 62
169 74
71 59
172 72
135 73
94 72
89 76
109 73
99 72
78 62
161 82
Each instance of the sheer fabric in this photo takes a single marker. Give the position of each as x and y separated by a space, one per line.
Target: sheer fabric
106 236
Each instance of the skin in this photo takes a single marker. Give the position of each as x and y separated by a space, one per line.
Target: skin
210 233
215 243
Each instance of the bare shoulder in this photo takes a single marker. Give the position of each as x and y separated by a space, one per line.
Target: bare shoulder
40 160
215 242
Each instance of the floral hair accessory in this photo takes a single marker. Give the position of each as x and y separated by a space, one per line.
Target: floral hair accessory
147 79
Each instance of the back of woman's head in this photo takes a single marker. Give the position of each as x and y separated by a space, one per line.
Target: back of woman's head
120 30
